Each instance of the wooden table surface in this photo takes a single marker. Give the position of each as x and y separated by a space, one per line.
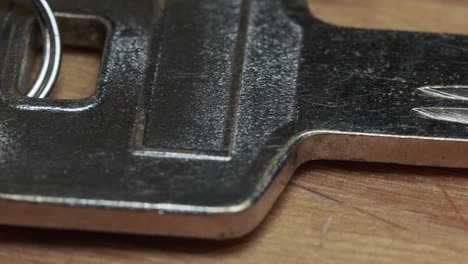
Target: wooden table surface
331 212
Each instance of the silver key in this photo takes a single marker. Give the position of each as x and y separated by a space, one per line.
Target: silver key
204 109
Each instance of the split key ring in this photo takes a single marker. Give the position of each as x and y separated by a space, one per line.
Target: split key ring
52 51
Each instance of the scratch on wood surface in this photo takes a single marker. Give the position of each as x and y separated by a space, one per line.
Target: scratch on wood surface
317 194
455 208
326 226
324 230
336 201
380 218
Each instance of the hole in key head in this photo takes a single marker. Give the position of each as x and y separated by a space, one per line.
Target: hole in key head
434 16
83 39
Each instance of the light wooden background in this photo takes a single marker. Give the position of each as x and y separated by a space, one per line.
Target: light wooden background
331 212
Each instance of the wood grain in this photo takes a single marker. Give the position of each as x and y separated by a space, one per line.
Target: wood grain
80 70
332 212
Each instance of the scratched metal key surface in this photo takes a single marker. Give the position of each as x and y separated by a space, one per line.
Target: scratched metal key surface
205 108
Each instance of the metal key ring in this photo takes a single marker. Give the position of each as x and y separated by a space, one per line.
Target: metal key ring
52 51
